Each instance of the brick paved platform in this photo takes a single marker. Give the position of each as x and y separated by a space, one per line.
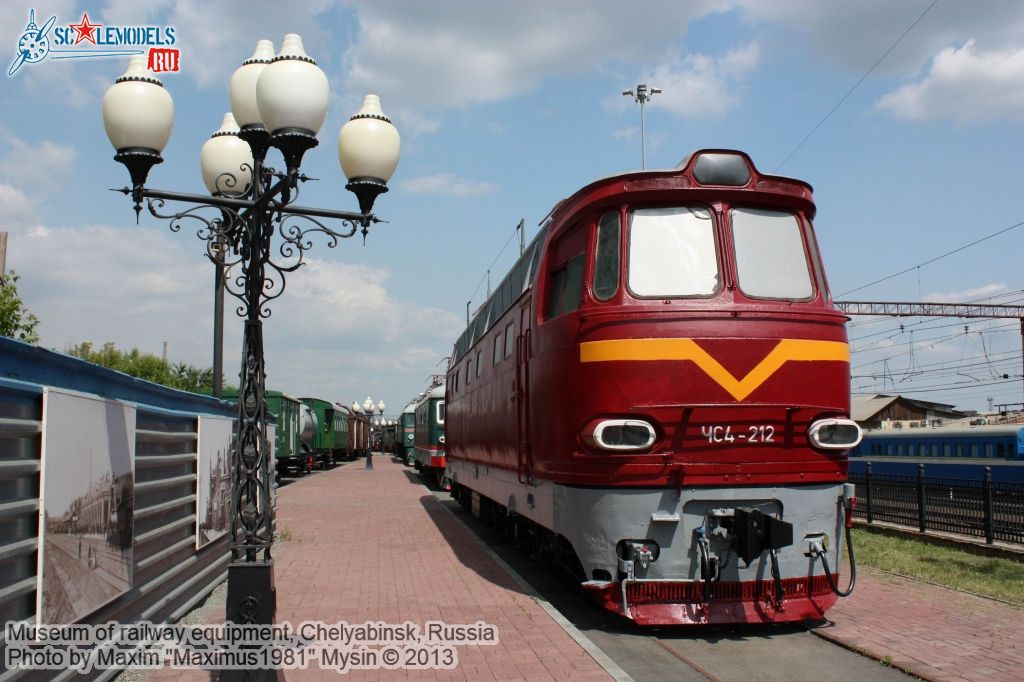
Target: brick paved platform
377 546
933 632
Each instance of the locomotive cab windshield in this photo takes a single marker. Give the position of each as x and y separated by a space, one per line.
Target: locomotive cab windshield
677 252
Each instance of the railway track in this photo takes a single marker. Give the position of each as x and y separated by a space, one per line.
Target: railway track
686 659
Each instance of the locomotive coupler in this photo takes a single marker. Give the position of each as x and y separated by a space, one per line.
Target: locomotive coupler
756 532
751 531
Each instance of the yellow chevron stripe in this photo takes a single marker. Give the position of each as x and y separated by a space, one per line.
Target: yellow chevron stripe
788 350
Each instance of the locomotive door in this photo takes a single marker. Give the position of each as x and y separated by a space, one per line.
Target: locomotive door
521 393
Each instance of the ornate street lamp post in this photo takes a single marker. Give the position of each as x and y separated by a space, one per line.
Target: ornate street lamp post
368 410
277 102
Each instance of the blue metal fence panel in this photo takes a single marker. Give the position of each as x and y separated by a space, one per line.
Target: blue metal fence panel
169 575
981 507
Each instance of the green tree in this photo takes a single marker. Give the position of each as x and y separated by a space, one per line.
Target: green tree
15 319
146 366
189 378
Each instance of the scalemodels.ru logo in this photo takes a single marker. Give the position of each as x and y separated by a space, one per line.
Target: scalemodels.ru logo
90 40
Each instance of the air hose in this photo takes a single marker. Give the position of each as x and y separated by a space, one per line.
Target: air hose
853 560
780 593
707 571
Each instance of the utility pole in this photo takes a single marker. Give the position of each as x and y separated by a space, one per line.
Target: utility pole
218 323
521 227
643 96
3 254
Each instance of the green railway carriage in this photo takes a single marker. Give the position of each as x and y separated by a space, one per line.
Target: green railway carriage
330 442
406 435
428 447
288 448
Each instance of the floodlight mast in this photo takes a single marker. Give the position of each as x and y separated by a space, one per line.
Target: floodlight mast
642 95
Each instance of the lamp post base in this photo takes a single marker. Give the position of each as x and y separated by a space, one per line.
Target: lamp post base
251 599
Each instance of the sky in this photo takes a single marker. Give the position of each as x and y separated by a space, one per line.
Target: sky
906 117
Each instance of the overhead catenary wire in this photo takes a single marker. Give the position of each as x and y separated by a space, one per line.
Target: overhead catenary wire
932 260
487 271
873 345
855 85
957 386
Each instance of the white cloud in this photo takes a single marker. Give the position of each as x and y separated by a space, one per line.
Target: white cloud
28 172
216 37
963 85
136 286
854 34
18 210
451 55
335 332
700 86
626 133
39 167
978 294
446 184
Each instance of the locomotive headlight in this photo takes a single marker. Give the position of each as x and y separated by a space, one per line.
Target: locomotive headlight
834 434
623 435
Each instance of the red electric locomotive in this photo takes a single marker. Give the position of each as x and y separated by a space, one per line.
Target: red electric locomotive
657 397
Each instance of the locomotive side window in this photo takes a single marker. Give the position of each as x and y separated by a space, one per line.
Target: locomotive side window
565 288
606 257
510 338
770 257
672 252
440 412
497 349
478 363
819 272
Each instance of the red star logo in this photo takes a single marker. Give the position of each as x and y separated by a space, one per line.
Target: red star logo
85 30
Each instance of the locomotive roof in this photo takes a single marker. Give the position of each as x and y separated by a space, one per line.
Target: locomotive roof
319 402
711 168
518 279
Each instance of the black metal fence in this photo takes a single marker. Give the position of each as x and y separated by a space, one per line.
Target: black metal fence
990 509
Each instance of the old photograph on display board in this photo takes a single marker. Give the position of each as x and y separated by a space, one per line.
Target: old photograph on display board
213 484
87 498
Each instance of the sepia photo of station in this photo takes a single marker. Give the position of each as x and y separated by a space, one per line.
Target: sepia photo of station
214 490
88 511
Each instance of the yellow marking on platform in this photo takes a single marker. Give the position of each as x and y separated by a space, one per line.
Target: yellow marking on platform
787 350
